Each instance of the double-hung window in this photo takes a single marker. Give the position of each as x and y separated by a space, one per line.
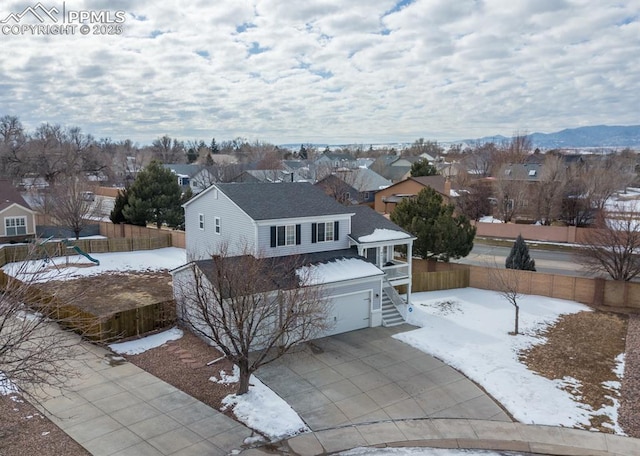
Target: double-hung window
325 231
15 226
217 225
285 235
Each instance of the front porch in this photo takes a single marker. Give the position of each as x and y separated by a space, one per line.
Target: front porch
391 258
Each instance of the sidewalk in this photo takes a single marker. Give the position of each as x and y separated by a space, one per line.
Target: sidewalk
459 433
118 409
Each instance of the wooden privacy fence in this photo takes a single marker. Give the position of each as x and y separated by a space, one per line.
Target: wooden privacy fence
123 230
591 291
442 280
141 320
22 252
105 328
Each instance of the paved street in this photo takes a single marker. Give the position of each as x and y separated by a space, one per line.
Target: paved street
549 261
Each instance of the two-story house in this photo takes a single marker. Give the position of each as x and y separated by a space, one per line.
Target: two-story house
359 255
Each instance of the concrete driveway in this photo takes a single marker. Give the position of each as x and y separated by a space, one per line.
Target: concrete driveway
366 376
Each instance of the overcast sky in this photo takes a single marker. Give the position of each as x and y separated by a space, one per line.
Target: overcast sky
350 71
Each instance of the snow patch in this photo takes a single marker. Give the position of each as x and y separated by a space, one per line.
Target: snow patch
383 234
336 271
263 410
226 379
135 347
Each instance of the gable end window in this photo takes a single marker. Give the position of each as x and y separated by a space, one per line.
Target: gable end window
216 223
15 226
285 235
325 232
201 221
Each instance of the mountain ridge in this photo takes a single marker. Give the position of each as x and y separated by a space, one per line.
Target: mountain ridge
589 136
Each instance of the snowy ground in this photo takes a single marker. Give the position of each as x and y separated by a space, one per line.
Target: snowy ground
468 329
79 266
489 219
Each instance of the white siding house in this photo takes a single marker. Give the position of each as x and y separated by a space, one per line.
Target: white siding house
299 220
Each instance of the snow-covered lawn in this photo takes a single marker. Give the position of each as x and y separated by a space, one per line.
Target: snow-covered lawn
469 329
79 266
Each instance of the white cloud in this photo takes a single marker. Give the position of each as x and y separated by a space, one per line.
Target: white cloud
332 72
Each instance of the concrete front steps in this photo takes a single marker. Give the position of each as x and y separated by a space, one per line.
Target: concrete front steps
390 315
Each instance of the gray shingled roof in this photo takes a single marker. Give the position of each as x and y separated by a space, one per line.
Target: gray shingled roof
367 220
264 201
9 195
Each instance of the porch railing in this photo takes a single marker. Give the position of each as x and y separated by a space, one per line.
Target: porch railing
396 271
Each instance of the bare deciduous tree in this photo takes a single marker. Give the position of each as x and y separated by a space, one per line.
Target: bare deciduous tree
613 246
253 309
550 188
35 353
511 191
507 283
72 204
168 150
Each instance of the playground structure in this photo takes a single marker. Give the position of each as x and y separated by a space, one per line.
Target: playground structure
79 251
39 251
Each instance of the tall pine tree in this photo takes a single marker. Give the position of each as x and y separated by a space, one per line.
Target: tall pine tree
440 234
155 196
519 256
423 168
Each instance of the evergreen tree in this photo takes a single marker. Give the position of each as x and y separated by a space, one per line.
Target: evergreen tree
121 201
214 146
440 234
154 197
192 155
519 256
423 168
303 153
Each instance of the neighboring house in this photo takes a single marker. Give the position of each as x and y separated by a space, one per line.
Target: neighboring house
17 217
267 175
335 160
196 177
353 186
529 172
353 251
387 199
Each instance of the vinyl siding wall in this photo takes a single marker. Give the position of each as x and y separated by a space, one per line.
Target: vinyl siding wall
237 228
305 246
17 211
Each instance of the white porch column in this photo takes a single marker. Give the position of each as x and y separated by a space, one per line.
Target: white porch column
410 263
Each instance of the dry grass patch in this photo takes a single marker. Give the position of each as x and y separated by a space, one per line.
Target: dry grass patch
105 294
582 346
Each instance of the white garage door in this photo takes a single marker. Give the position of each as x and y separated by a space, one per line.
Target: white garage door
350 312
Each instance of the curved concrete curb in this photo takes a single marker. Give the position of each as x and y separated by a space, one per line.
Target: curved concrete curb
459 433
